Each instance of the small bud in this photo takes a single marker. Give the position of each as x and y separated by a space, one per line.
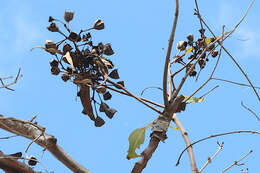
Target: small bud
51 19
99 122
53 27
107 49
55 70
107 96
65 77
181 45
99 25
214 53
66 48
114 74
68 16
73 37
54 63
121 83
32 161
110 112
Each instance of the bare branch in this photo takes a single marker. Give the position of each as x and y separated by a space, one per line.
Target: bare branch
11 165
220 146
18 76
8 137
134 96
236 162
250 110
203 95
213 136
32 131
168 55
187 142
236 83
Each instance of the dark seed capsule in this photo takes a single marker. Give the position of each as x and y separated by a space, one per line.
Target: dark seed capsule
73 37
121 83
68 16
107 49
114 74
55 70
32 161
110 112
99 122
54 63
66 48
65 77
53 27
107 96
51 19
214 53
99 25
103 107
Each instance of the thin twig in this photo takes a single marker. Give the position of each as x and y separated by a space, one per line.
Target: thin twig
18 76
134 96
250 110
8 137
236 83
236 162
122 92
203 95
213 136
220 146
149 88
168 55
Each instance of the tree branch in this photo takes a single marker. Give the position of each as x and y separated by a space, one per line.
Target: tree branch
33 131
213 136
10 165
167 59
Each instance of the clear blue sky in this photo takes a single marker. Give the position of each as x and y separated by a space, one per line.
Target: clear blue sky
138 32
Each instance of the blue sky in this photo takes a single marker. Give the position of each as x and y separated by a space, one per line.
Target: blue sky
138 32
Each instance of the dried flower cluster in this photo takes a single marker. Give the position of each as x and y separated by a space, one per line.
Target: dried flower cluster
196 48
78 60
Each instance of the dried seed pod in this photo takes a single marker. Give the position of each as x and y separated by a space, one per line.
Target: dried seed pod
65 77
32 161
114 74
66 48
122 83
68 16
107 49
101 89
110 112
54 63
73 37
53 27
51 19
190 38
181 45
202 56
202 63
99 122
201 43
99 25
214 53
103 107
107 96
181 107
50 44
55 70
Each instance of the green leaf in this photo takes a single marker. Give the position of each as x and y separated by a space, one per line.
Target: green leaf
193 99
188 50
136 139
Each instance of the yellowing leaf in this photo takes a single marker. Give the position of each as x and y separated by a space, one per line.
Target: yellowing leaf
188 50
208 40
136 139
193 99
69 59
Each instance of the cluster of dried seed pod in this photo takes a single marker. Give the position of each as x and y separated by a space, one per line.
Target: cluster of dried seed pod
196 48
79 60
